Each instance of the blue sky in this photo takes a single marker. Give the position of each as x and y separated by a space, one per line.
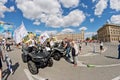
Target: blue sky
60 16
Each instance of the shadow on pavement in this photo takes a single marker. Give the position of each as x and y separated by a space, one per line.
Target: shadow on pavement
111 57
15 66
68 60
96 52
6 73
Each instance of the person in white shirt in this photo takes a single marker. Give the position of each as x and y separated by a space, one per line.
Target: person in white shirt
101 47
75 52
9 63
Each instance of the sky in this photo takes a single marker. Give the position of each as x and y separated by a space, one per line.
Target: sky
60 16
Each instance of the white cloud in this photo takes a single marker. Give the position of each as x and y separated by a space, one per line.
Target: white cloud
67 30
54 32
90 34
93 0
36 22
91 20
83 28
12 8
38 31
87 14
74 18
115 4
3 1
100 6
69 3
115 19
50 14
84 6
4 9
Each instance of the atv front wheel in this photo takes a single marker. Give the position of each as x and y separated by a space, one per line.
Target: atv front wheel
56 56
50 62
24 58
32 67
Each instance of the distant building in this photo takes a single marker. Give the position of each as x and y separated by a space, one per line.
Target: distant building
109 33
74 36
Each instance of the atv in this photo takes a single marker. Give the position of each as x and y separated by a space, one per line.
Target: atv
58 52
38 58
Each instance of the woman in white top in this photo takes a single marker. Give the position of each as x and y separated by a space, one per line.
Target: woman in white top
75 52
101 47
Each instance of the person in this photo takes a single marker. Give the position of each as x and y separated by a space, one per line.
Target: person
80 46
101 47
86 43
4 44
31 44
75 52
8 48
119 50
67 47
94 47
1 58
51 43
8 63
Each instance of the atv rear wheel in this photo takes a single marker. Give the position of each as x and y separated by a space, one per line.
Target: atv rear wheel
56 56
32 67
50 62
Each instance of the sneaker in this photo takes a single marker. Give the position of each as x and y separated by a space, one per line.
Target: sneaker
12 72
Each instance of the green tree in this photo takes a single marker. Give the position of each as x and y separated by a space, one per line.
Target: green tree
94 37
87 38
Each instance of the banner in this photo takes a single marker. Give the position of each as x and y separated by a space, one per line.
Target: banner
20 33
43 37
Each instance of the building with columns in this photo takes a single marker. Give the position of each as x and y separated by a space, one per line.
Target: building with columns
109 33
73 36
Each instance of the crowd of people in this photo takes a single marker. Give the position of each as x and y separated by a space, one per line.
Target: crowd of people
72 48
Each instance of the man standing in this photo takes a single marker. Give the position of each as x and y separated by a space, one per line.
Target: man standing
67 47
101 47
119 50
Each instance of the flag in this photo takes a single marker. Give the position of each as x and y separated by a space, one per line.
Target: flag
43 37
20 33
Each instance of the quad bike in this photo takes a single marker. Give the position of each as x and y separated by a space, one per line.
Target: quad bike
58 52
38 58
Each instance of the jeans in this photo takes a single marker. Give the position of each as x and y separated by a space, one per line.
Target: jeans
8 47
68 52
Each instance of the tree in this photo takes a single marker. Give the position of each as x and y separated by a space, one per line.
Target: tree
94 37
87 39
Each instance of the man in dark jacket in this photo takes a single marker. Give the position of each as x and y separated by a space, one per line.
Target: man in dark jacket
119 50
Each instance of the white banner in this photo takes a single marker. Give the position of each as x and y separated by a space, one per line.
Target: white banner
20 33
43 37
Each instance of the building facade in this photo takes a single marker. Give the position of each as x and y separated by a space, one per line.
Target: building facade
73 36
109 33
